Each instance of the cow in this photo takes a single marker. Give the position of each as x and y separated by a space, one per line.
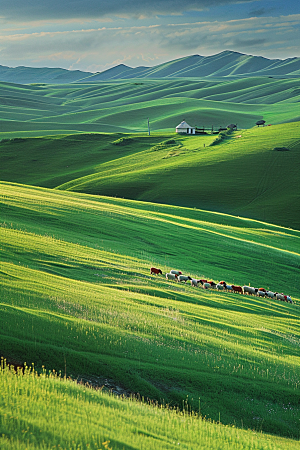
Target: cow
261 293
208 284
249 290
280 297
184 278
155 271
238 289
171 276
205 284
226 286
284 298
176 272
194 282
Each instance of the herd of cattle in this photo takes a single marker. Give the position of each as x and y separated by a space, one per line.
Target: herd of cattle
177 275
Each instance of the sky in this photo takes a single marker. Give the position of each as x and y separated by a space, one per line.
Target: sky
94 35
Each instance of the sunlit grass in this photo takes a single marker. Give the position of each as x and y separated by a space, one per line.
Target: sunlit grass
242 176
77 296
124 105
47 412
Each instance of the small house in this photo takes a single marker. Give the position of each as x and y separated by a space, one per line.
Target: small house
185 128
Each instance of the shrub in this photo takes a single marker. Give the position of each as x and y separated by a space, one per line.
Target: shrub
281 149
170 142
123 141
18 139
222 135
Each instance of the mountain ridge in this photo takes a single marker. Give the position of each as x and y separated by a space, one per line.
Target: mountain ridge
224 64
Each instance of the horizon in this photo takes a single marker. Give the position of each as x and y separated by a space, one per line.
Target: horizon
86 36
150 66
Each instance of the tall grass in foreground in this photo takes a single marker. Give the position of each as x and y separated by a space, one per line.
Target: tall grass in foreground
47 412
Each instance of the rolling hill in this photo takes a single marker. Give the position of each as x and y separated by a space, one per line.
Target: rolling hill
87 414
78 297
89 202
27 75
124 106
243 175
224 64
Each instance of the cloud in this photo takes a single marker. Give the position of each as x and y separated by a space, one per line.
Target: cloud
97 49
31 10
248 43
260 12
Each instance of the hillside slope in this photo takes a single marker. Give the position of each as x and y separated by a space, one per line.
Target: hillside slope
26 75
78 297
69 404
124 106
243 175
226 63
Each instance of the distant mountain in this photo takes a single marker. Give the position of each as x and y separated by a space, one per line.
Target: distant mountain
29 75
224 64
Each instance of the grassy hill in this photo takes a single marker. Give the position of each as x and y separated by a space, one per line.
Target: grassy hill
224 64
243 175
26 75
92 204
87 415
78 297
124 106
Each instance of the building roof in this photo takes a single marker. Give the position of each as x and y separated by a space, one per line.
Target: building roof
183 124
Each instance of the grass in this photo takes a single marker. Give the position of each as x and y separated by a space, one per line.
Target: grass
78 297
125 105
242 176
214 369
75 417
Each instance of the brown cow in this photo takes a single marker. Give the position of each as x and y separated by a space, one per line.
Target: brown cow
238 289
155 271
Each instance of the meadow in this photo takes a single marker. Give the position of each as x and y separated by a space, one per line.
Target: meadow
137 425
77 297
243 175
114 357
124 105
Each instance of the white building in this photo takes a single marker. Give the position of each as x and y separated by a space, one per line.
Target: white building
184 127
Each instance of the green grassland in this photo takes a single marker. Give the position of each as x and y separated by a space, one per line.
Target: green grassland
242 175
136 425
77 297
89 202
124 105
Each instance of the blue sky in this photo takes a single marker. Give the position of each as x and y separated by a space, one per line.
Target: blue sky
93 35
